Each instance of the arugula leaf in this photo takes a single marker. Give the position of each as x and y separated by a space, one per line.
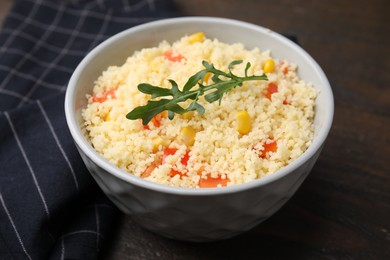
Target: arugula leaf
220 87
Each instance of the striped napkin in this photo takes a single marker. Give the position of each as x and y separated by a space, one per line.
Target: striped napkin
50 207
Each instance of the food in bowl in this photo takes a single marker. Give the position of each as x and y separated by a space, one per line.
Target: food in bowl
254 130
196 214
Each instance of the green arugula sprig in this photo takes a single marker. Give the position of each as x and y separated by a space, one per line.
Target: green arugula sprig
223 82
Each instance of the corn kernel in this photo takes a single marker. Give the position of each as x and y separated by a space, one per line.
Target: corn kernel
269 66
157 141
196 37
244 124
207 76
187 135
108 117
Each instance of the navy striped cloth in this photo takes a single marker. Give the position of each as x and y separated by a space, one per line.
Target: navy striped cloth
50 207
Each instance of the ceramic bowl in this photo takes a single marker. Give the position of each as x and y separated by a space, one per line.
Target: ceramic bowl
184 213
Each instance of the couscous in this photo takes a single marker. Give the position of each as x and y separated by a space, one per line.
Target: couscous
255 130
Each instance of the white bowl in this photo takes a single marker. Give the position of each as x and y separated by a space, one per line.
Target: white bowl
184 213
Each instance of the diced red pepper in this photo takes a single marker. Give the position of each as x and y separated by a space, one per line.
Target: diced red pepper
285 69
183 160
172 151
271 88
174 57
211 182
167 152
174 172
156 121
146 127
105 95
150 169
268 147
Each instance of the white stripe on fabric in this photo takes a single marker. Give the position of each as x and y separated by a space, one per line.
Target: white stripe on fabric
32 13
36 45
102 30
64 51
15 94
32 78
43 44
93 5
58 143
62 249
28 163
75 233
137 6
97 225
14 227
37 61
81 232
59 29
94 14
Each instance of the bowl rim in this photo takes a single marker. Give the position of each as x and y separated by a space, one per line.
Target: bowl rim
93 155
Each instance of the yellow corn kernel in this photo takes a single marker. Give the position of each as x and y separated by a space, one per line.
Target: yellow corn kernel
187 135
164 114
188 115
244 123
157 141
108 117
207 76
196 37
269 66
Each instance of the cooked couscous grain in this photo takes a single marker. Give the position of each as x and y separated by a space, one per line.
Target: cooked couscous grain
256 130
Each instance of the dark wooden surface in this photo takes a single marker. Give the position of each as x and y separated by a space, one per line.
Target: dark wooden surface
342 210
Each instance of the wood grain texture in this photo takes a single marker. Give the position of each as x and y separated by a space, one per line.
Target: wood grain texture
342 210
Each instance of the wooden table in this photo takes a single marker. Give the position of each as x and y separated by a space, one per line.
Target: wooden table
342 210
